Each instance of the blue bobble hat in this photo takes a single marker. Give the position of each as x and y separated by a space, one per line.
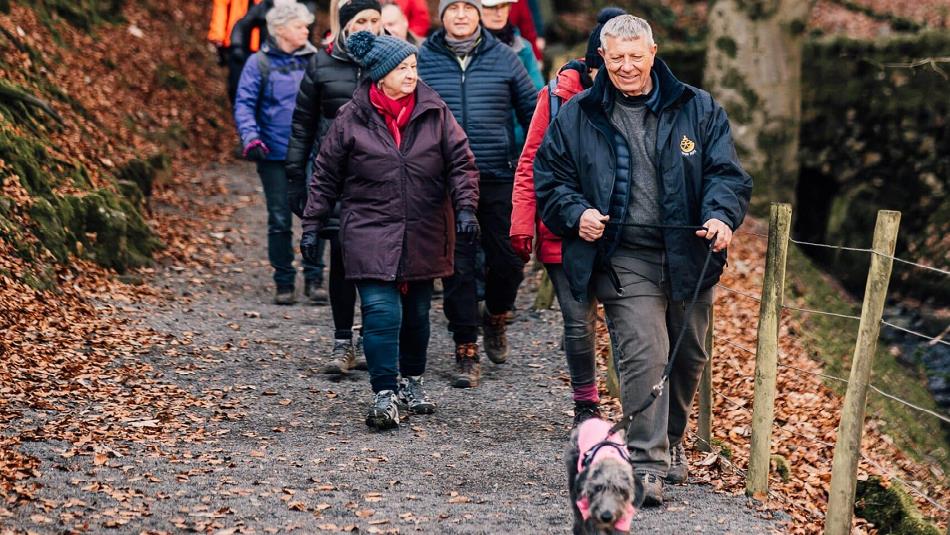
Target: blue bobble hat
379 54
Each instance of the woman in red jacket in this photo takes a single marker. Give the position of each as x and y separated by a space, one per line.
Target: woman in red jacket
580 317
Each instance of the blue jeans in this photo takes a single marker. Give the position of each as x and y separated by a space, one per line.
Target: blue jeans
395 330
280 234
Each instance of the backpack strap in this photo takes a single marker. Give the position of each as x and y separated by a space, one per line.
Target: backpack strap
263 65
553 99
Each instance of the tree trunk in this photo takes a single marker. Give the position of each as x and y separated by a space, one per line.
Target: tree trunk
754 68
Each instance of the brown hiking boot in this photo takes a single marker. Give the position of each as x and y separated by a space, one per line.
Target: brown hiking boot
342 360
467 368
496 341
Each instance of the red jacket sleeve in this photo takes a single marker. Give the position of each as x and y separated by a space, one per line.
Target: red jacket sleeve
520 17
523 200
417 13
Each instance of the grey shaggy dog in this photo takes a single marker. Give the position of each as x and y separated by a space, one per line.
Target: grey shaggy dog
609 486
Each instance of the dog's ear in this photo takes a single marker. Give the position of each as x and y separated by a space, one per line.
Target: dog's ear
579 483
637 493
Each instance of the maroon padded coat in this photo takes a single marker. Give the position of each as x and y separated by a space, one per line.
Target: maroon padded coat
397 205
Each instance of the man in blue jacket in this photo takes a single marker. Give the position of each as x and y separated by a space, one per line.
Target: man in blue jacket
482 81
637 152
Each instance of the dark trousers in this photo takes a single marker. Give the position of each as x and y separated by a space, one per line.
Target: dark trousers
580 326
395 330
503 269
280 221
342 293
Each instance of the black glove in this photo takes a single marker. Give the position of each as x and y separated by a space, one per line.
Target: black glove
309 247
297 195
466 225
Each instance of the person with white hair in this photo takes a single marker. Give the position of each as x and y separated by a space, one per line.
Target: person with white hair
262 111
639 176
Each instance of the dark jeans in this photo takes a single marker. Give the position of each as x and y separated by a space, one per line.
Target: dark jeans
342 293
503 268
580 323
280 251
395 330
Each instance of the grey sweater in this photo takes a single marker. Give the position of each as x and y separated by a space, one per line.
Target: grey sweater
632 117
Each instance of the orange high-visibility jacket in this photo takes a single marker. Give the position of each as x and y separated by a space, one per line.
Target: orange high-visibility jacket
223 17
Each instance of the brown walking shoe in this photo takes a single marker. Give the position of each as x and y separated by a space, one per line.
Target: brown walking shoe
467 368
679 469
494 327
342 360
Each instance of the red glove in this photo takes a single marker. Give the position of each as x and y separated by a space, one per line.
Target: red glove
522 246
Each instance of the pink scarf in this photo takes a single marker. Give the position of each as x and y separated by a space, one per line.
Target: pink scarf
395 112
589 434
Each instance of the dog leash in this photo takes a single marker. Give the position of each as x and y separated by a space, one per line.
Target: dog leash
657 389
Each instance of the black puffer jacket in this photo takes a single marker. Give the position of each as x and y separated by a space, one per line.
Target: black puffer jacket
482 98
328 84
240 47
584 163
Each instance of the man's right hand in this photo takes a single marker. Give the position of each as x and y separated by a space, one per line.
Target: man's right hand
592 224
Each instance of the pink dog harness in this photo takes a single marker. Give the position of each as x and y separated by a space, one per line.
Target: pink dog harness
594 447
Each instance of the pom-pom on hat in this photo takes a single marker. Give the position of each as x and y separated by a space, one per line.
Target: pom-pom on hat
592 57
379 54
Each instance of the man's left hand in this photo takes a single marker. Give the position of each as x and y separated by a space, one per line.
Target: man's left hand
716 230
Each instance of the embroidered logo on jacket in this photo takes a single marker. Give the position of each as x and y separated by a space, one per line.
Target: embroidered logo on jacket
687 146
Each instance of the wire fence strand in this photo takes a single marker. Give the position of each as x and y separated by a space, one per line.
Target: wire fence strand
938 340
822 312
915 264
827 246
738 292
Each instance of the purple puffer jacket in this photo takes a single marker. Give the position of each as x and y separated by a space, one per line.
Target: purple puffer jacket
397 214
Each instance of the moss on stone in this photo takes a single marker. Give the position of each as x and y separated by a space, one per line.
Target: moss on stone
890 509
727 45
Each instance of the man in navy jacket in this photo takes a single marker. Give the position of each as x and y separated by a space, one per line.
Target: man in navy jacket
637 152
482 81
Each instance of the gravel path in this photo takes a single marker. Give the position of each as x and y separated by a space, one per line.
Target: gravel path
289 450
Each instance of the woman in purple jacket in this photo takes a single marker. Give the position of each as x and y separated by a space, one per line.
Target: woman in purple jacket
262 111
405 177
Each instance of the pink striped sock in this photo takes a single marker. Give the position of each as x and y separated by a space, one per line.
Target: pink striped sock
587 393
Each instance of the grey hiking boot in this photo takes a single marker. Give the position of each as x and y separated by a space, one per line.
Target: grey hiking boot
652 489
360 358
412 396
384 413
342 360
315 293
679 471
467 368
496 341
284 296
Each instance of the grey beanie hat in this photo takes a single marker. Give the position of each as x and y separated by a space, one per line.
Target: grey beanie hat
379 54
444 4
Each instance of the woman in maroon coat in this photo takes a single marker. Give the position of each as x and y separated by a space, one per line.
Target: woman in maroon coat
400 165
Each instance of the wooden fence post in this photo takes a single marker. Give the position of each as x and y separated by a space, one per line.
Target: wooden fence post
766 352
844 468
704 423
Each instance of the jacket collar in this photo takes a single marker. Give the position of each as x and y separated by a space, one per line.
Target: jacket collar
270 47
426 99
599 100
572 79
436 42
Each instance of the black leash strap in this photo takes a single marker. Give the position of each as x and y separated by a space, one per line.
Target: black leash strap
657 389
694 228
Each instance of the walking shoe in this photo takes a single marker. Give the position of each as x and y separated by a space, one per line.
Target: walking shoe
652 490
412 396
679 471
467 368
359 362
284 296
384 413
585 410
496 341
342 360
315 293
